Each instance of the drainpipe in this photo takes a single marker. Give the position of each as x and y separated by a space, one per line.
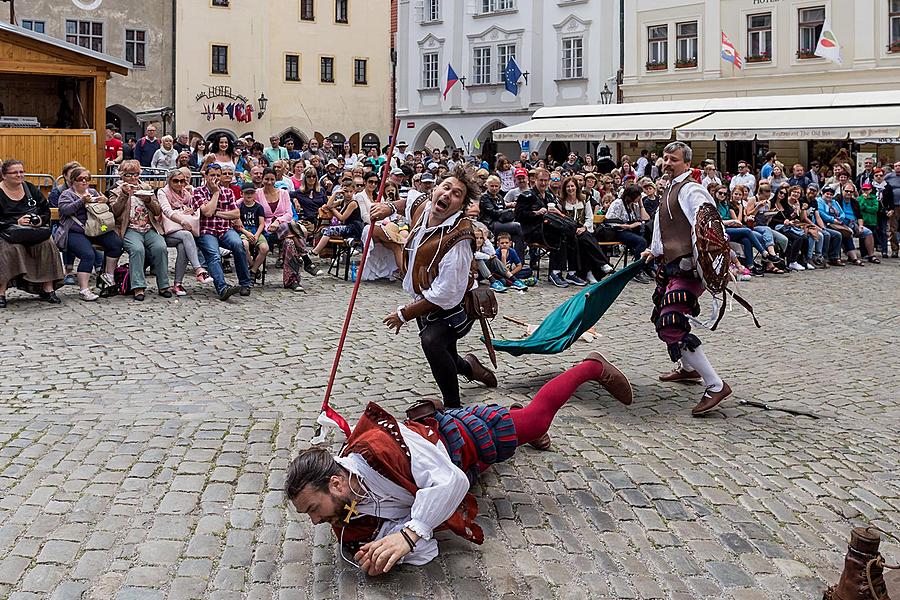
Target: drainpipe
174 42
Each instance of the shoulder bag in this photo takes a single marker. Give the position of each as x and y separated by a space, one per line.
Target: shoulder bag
26 235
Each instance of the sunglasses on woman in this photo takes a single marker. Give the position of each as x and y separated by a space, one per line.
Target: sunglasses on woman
179 181
83 179
131 174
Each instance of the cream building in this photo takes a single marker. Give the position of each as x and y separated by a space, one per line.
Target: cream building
295 68
672 52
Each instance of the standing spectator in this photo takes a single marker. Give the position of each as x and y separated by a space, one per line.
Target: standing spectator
572 164
167 156
113 149
744 178
223 149
814 173
868 173
350 158
506 173
182 143
873 215
777 178
128 149
891 198
217 211
313 150
275 151
289 144
328 152
642 162
605 162
198 155
147 146
799 178
769 165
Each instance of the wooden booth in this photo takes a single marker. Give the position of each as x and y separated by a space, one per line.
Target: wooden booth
52 101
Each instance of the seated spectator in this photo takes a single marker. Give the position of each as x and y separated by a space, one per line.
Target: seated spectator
251 227
309 197
139 223
710 176
70 236
28 257
53 199
736 215
789 221
737 232
495 213
167 156
626 216
508 256
592 261
227 180
343 207
490 267
181 226
831 240
757 213
218 210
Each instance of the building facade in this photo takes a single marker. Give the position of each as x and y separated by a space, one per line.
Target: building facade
673 52
568 48
138 32
293 68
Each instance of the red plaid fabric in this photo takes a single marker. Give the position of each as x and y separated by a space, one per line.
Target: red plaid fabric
215 226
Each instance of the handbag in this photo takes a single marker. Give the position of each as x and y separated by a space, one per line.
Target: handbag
481 304
25 235
507 216
100 219
846 232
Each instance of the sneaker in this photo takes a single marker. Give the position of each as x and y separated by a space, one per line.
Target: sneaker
245 291
107 279
228 291
179 290
809 266
558 281
744 277
50 297
313 270
88 296
591 279
69 279
745 271
296 288
641 278
576 280
519 285
795 266
607 268
498 286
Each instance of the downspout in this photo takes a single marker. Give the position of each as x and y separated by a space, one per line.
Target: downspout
174 61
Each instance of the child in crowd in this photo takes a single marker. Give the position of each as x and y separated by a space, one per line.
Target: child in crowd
251 226
492 268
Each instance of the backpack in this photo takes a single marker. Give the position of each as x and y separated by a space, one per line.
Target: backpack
121 285
100 219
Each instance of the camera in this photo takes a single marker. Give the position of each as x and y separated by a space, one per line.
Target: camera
34 220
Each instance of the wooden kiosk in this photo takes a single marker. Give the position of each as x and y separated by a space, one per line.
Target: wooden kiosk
63 86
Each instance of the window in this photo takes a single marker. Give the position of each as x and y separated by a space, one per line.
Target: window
658 47
35 26
292 67
504 53
341 11
360 71
327 70
221 3
430 71
307 10
893 19
481 65
432 10
572 58
686 44
87 34
759 37
219 59
136 47
489 6
811 22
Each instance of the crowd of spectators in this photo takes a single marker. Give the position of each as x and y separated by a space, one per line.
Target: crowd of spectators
226 205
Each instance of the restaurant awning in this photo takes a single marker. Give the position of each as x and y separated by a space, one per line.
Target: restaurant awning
856 115
610 128
796 124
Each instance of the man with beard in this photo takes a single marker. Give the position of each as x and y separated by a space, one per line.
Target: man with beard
437 275
678 284
395 484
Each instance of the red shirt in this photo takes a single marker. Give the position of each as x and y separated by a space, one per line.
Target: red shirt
113 147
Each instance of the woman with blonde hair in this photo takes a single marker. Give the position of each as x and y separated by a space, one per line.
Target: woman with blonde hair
309 197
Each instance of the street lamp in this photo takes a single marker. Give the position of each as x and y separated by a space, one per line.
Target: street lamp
606 95
261 103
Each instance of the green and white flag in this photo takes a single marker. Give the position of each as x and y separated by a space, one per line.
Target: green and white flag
828 47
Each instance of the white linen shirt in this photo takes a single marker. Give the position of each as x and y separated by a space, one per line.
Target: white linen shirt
442 486
747 180
452 281
691 197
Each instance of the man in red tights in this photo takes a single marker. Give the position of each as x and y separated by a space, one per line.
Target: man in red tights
395 483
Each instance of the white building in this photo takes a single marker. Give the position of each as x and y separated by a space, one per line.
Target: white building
569 48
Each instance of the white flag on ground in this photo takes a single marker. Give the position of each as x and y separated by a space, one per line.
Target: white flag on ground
828 46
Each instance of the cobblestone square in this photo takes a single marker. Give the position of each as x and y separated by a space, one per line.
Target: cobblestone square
143 448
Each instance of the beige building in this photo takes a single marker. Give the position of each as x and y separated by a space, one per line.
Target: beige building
137 32
673 52
298 68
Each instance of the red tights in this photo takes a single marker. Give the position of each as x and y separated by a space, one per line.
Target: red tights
534 420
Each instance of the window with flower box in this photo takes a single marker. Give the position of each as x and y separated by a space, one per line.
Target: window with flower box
759 38
658 48
812 20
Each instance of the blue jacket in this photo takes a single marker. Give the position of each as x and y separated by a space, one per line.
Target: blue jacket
825 211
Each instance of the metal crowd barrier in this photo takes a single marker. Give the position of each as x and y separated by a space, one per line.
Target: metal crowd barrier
156 178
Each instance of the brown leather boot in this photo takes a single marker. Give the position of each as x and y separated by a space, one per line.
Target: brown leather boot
480 372
613 380
710 400
863 569
680 374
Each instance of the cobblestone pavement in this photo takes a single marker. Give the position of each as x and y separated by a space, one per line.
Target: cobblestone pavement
143 446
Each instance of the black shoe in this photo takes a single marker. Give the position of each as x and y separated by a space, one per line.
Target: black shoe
575 280
245 290
138 297
165 293
228 292
641 278
279 264
3 302
312 270
51 297
558 281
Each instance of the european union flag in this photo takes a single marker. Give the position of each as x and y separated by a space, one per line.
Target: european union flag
511 75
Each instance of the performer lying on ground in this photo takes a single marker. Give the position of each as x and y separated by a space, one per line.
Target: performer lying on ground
678 284
437 266
394 483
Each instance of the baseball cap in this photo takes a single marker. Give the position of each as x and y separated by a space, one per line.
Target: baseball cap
248 187
867 186
520 172
427 178
332 163
827 189
433 166
397 171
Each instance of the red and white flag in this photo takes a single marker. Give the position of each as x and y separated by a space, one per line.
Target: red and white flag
730 53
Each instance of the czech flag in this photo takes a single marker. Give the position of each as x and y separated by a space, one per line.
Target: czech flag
730 53
452 78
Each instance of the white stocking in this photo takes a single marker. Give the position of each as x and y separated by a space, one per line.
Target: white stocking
696 360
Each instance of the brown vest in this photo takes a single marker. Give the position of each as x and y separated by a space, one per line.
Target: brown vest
675 230
434 246
378 440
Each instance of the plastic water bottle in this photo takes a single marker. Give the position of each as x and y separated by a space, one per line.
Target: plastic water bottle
353 267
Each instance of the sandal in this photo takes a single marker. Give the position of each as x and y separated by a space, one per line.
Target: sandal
857 262
772 268
874 259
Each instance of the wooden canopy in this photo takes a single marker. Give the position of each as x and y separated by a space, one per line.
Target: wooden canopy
64 86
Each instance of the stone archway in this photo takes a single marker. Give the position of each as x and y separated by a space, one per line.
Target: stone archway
436 128
125 119
485 139
295 134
